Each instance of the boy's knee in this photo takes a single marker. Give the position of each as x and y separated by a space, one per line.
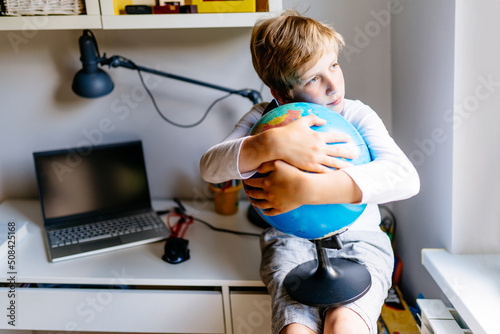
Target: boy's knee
344 320
296 328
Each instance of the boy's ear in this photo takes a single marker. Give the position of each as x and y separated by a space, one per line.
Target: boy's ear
278 97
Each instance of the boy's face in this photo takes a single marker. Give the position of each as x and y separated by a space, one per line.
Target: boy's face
322 83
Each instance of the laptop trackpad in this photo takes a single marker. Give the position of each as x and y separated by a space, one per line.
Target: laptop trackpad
99 244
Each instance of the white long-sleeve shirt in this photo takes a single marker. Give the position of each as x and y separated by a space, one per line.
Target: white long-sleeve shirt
390 176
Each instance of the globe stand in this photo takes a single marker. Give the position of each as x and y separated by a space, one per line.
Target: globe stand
327 282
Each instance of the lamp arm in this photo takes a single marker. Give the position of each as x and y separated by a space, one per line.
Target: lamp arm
117 61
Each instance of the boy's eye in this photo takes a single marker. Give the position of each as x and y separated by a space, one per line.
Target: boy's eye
313 80
335 65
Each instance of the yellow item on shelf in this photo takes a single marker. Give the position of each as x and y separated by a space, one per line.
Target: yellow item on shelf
223 6
120 6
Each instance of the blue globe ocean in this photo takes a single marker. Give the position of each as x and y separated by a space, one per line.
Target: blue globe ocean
315 221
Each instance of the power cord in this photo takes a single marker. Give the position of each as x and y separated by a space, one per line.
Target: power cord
180 211
254 96
225 230
166 119
388 223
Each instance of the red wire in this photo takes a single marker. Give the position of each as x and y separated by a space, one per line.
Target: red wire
180 227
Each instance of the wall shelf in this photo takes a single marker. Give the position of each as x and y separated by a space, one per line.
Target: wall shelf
66 22
470 282
167 21
100 15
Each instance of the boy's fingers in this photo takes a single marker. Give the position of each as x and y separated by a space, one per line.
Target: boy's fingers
254 182
256 197
339 163
267 167
263 205
343 151
339 137
313 120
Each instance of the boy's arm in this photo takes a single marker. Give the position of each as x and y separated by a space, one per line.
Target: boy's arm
297 144
220 162
239 155
389 177
287 188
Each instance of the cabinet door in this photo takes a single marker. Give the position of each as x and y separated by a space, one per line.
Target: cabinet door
127 310
251 313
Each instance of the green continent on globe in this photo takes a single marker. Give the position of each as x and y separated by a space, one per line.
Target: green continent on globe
286 117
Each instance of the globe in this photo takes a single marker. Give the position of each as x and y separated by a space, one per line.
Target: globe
315 221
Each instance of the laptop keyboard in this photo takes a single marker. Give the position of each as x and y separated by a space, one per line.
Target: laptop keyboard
104 229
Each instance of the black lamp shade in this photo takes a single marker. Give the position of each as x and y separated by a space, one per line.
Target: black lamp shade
91 85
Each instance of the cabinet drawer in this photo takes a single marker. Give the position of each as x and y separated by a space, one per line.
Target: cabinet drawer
120 310
251 312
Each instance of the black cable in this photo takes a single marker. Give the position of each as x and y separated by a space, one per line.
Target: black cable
95 43
392 219
180 209
158 109
225 230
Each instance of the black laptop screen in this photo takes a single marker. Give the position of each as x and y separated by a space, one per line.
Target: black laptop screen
92 181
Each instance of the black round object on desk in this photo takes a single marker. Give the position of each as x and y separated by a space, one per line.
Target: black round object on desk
255 218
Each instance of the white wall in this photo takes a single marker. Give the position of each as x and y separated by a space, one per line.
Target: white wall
476 210
39 111
422 78
446 97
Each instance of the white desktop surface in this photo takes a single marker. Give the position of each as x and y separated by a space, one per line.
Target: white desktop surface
134 290
211 264
471 282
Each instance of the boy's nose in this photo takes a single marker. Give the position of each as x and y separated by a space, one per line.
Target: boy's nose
330 88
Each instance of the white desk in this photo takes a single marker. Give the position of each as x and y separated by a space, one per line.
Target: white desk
471 283
201 295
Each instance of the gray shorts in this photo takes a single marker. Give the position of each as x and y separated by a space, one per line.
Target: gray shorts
282 252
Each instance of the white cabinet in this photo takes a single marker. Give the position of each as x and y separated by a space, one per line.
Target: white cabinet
438 319
118 310
217 291
100 14
250 312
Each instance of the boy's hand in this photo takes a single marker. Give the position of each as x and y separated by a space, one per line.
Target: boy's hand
307 149
284 189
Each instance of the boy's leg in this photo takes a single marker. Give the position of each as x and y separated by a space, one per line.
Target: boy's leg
297 329
280 254
344 320
373 250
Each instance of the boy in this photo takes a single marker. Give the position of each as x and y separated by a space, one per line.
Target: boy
297 58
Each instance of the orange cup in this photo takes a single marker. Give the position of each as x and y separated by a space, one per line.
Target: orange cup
226 200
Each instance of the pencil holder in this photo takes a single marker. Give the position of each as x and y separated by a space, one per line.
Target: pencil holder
226 196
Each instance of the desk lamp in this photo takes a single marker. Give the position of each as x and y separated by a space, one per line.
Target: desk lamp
93 82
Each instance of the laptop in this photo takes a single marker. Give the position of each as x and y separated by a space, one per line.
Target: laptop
95 199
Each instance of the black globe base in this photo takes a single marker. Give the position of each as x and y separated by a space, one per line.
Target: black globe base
327 282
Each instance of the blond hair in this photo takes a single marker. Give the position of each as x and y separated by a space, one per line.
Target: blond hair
283 46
